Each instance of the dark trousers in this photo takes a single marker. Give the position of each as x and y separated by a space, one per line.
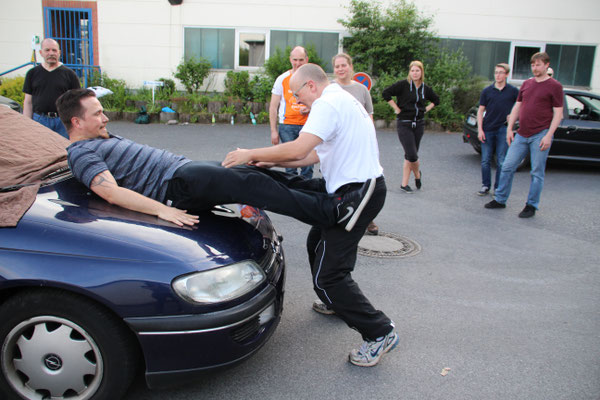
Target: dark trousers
201 185
332 254
410 135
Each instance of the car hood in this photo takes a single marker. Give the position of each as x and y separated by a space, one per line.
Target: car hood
68 219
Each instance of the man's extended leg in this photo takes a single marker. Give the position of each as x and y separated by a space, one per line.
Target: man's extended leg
201 185
538 168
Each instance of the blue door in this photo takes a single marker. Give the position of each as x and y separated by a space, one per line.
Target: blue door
72 29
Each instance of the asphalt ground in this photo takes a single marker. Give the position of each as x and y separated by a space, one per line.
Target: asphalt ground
507 308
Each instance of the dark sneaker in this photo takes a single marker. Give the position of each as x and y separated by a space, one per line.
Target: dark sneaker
528 211
353 203
418 181
372 229
483 191
322 308
494 204
370 352
406 189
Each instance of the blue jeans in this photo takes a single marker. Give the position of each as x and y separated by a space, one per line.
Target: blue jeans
494 140
516 152
289 133
53 123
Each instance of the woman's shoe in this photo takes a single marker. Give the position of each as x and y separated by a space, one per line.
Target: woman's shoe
406 189
418 181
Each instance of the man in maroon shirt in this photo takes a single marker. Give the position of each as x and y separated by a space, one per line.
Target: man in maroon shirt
539 109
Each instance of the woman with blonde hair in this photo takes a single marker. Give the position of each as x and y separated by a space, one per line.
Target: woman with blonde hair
412 96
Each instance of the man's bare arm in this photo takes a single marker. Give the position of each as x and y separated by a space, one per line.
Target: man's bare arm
514 116
105 186
28 106
273 108
546 141
294 151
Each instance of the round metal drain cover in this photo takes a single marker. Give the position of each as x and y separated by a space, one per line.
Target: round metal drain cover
388 245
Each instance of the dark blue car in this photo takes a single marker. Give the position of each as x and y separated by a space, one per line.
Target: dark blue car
90 293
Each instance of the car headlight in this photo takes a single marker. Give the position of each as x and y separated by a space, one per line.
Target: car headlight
220 284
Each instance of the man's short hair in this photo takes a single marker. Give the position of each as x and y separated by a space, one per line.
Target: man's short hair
542 56
69 105
504 66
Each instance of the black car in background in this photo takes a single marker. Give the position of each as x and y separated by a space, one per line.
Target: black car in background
5 101
576 139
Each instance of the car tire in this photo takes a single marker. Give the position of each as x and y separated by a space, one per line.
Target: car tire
55 343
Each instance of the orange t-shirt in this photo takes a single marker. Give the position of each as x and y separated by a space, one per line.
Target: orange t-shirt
289 109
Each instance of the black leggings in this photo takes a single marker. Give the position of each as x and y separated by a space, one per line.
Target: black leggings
410 134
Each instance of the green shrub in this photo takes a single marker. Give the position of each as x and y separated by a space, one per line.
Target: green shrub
165 91
13 89
237 84
262 117
192 72
261 87
118 100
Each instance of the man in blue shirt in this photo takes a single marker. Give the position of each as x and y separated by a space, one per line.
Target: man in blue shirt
495 103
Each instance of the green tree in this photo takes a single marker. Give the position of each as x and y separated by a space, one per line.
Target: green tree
191 73
387 40
237 84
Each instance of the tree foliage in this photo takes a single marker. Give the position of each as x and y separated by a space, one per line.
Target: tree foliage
192 72
387 40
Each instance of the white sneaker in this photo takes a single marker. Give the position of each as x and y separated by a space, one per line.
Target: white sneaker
370 353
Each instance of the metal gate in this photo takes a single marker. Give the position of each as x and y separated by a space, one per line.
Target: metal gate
72 29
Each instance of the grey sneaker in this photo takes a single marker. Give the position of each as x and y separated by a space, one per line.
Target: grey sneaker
370 353
322 308
483 191
352 204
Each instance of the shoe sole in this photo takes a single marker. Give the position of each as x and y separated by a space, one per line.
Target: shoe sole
323 311
482 194
378 359
361 206
407 191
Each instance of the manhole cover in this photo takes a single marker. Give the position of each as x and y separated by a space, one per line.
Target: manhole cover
388 245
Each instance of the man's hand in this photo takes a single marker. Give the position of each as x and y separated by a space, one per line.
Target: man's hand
305 110
274 137
481 136
546 142
264 164
237 157
177 216
510 135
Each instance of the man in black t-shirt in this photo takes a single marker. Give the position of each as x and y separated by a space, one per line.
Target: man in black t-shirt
44 84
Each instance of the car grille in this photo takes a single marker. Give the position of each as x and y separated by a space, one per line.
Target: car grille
246 331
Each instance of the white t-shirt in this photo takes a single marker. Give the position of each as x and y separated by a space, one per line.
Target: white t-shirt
349 152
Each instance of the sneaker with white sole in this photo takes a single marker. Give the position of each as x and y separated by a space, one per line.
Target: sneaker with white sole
370 352
352 204
322 308
483 191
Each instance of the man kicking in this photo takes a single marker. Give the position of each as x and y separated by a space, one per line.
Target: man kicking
155 182
340 135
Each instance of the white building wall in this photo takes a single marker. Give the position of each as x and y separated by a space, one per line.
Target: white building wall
143 39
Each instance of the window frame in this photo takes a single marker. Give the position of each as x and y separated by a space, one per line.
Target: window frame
511 56
236 56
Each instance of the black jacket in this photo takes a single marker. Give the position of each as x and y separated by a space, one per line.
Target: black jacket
412 101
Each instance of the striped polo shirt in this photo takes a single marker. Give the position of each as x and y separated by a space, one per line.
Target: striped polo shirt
137 167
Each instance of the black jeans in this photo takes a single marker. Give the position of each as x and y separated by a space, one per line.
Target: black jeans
201 185
410 135
332 255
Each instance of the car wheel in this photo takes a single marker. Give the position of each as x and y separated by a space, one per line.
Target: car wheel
61 346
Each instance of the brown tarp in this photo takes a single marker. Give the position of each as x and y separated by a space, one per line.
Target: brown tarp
28 152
